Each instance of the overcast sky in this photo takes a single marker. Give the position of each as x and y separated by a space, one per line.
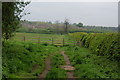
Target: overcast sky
89 13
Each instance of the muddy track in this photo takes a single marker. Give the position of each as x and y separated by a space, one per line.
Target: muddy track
35 67
47 68
70 74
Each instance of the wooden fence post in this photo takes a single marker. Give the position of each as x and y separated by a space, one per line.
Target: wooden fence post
74 42
52 40
24 38
63 41
38 39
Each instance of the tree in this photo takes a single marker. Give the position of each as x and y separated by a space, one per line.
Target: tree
57 26
74 24
50 22
66 22
80 24
12 13
0 14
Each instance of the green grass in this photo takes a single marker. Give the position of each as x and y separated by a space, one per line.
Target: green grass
20 58
89 65
56 74
56 61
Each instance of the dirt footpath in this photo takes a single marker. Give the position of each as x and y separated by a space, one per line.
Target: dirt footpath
47 68
68 66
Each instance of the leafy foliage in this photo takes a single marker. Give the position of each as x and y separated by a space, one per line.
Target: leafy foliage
10 22
104 44
79 24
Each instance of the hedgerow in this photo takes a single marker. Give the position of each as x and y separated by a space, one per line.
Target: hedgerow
104 44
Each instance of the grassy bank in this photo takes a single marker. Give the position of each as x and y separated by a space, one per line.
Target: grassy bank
90 65
24 59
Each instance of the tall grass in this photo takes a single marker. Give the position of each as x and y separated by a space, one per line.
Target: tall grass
24 59
90 65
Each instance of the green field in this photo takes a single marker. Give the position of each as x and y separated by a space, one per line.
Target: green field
26 59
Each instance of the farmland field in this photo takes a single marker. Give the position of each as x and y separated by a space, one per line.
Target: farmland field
27 59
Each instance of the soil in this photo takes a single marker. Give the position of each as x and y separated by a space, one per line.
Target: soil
68 66
47 68
35 67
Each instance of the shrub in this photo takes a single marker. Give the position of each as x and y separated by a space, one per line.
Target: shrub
104 44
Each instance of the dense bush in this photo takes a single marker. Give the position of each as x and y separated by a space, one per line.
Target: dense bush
104 44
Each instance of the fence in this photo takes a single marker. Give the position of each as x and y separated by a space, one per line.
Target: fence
51 40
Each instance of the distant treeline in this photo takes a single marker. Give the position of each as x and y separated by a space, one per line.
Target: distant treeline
60 28
102 29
